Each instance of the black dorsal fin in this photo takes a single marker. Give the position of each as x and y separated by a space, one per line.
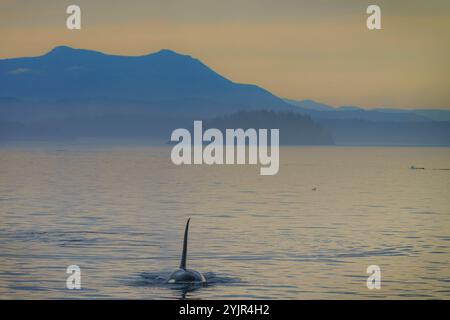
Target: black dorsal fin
185 241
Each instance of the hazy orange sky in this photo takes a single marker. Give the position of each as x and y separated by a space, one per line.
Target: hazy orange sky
312 49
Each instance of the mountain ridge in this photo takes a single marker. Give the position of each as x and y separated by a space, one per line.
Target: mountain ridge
164 75
324 111
67 73
74 93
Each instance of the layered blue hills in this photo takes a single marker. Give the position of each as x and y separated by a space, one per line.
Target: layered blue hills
164 79
74 93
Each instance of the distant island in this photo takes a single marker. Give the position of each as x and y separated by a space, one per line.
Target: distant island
295 129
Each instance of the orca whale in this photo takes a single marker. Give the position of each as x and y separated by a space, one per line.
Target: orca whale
183 275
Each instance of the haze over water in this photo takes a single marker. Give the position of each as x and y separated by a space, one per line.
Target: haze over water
119 214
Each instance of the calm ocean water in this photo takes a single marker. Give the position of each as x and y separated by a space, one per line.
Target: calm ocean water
119 213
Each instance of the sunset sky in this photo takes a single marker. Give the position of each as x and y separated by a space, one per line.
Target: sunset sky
312 49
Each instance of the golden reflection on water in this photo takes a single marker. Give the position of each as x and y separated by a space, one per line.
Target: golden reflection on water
120 212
